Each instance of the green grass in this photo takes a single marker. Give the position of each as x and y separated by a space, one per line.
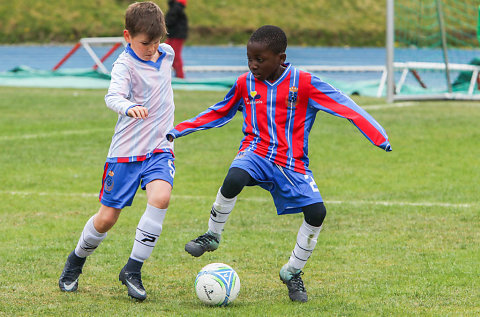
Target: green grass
401 235
320 22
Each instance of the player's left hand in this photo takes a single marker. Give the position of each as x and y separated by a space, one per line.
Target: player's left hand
138 112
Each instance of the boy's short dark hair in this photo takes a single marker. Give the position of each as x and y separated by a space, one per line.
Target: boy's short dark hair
272 36
145 17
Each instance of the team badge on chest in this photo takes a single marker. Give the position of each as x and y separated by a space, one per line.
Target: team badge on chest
292 98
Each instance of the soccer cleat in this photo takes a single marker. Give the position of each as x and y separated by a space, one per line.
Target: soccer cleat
293 280
133 282
207 242
68 281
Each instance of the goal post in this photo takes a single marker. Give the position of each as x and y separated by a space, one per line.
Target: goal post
432 49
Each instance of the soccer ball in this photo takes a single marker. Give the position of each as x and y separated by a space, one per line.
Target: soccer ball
217 284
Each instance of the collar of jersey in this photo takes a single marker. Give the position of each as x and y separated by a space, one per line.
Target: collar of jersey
285 72
156 64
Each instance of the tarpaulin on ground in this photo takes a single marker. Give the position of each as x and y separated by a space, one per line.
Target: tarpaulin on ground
24 76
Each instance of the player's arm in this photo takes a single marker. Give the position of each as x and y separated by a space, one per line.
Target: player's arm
118 93
214 117
326 98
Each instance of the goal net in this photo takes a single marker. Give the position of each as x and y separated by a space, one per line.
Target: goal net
433 49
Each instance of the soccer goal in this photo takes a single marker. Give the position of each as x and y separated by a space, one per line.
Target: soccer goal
433 49
87 43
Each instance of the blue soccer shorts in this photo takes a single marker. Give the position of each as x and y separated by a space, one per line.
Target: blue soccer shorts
120 181
290 190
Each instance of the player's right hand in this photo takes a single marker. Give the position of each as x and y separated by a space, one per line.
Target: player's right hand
138 112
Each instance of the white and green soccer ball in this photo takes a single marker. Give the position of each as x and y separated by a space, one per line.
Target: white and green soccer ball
217 284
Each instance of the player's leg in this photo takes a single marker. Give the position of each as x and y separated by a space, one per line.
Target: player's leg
233 184
157 179
307 235
177 45
148 231
314 215
119 184
93 233
178 60
294 193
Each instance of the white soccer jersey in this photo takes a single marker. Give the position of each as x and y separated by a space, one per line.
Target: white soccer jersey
138 82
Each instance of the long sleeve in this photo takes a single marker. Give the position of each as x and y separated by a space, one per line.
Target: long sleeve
214 117
326 98
119 90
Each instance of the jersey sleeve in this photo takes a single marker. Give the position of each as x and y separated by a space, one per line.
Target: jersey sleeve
119 90
326 98
214 117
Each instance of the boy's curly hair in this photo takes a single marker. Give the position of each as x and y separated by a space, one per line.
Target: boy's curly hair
272 36
145 17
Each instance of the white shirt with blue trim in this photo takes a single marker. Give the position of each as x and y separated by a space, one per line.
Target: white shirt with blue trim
146 83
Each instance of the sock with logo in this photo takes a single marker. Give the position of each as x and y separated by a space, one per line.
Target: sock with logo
306 241
148 231
89 240
220 211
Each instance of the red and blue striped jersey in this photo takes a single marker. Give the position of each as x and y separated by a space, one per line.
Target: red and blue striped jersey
278 116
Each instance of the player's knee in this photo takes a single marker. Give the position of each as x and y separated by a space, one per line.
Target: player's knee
314 214
104 222
160 201
234 182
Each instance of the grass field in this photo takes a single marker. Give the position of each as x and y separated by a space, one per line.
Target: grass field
401 237
210 21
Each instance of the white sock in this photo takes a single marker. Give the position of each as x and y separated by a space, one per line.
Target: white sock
306 241
148 230
89 240
220 211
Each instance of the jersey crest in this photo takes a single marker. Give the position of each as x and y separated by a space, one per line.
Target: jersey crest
292 98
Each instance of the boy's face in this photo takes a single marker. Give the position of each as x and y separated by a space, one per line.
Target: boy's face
263 62
143 46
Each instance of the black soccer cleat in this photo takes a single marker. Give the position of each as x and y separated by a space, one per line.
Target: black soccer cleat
68 281
207 242
133 282
294 282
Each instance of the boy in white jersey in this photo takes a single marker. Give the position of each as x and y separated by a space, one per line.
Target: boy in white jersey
141 93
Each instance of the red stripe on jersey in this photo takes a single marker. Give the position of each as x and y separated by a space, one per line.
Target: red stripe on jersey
141 158
248 123
247 140
217 114
206 118
281 118
164 151
298 136
261 119
103 181
362 123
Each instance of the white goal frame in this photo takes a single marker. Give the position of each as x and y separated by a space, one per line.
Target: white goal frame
446 67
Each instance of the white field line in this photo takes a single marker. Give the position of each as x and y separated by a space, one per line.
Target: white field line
392 105
402 105
53 134
261 199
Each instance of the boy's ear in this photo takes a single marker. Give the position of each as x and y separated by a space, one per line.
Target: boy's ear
126 36
283 57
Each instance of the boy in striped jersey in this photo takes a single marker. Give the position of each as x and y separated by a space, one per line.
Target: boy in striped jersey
141 93
279 104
